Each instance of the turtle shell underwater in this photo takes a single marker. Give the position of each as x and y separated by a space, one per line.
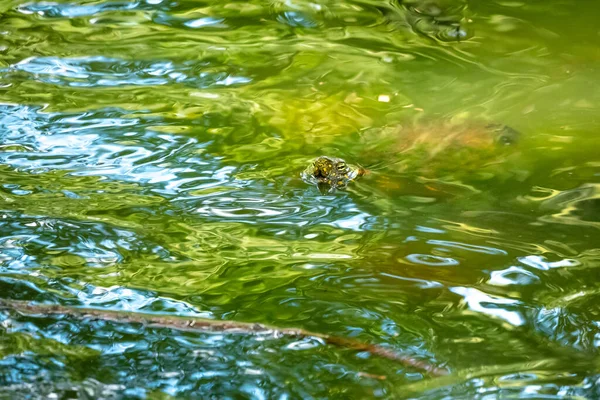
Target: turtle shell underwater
443 152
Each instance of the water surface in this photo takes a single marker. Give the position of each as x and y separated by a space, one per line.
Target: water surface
150 161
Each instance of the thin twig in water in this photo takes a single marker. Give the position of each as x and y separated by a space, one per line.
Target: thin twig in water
194 324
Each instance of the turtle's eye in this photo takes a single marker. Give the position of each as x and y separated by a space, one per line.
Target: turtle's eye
341 166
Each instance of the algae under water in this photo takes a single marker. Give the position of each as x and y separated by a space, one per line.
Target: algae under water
151 155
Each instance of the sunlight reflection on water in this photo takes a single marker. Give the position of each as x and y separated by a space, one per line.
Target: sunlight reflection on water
150 161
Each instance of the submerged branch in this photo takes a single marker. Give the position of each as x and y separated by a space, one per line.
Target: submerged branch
195 324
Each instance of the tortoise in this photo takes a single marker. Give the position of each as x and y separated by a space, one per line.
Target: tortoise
446 153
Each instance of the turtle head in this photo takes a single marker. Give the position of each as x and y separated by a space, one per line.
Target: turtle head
504 135
330 173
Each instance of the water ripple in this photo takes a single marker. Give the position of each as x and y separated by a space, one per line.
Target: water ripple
468 247
150 160
493 306
102 71
74 10
430 260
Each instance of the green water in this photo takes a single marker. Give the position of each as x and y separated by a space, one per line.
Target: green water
150 161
